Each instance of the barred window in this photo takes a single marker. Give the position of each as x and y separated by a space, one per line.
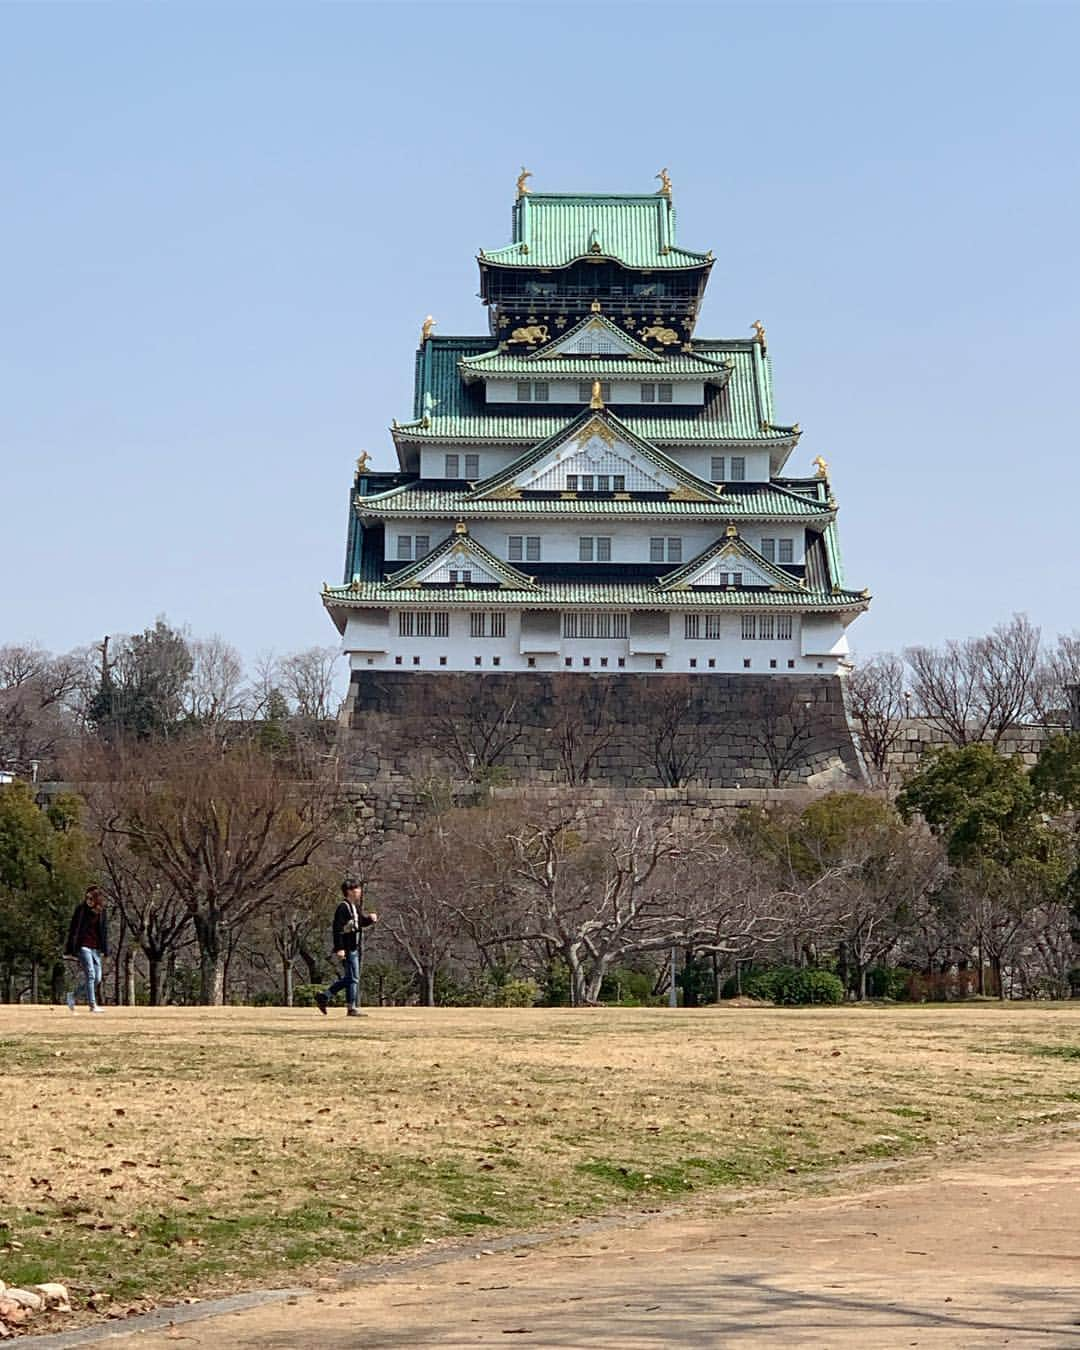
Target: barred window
749 627
595 625
453 463
713 626
768 550
648 393
692 626
584 391
665 550
663 393
766 627
783 626
424 623
718 474
472 466
618 482
524 391
487 625
738 468
787 551
730 578
460 578
540 391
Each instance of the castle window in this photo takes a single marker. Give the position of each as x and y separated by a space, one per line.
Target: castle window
416 660
730 578
618 483
718 474
531 660
453 466
713 626
413 546
571 482
766 627
659 663
442 660
586 661
738 468
787 551
458 578
487 625
540 391
472 466
663 393
523 547
746 663
665 550
584 391
648 393
749 627
594 548
595 625
588 482
423 623
692 625
768 550
524 391
783 626
791 665
693 663
622 662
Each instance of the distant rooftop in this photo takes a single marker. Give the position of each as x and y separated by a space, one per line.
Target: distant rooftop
556 229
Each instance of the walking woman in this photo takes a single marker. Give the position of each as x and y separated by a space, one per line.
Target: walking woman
88 941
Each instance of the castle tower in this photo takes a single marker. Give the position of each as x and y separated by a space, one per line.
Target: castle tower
592 486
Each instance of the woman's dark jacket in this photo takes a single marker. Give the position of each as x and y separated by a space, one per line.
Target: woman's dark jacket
88 929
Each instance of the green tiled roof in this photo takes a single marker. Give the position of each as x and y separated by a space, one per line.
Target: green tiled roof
447 410
566 594
619 427
554 229
682 366
766 503
676 580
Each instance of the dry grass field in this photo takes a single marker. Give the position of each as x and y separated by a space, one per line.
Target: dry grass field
151 1153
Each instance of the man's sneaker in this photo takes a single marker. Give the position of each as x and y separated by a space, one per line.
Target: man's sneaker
97 1010
320 1002
353 1012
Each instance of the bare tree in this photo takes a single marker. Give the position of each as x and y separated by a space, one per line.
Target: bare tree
584 720
594 901
308 679
222 828
34 718
214 694
782 731
477 729
672 731
875 694
1057 679
976 689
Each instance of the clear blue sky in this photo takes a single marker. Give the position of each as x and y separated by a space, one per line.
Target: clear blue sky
223 224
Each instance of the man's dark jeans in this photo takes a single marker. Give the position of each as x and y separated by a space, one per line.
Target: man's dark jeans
350 980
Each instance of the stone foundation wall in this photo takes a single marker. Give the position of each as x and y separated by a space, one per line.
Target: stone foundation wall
619 731
917 736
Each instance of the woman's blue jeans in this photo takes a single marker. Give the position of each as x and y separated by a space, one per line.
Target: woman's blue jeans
350 980
90 960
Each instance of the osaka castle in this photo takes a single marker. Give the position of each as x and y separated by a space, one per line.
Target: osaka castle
591 485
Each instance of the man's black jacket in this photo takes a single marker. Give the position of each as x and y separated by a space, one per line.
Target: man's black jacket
348 921
85 924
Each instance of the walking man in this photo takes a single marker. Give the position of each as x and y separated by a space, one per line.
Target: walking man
349 923
88 941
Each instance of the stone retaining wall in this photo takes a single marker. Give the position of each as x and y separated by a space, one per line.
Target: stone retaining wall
622 731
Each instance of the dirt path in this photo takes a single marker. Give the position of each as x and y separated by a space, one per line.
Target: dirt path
981 1253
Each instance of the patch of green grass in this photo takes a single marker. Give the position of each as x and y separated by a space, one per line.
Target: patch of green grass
1057 1051
471 1220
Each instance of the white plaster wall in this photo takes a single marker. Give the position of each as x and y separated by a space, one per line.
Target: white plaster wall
824 635
690 393
727 654
700 461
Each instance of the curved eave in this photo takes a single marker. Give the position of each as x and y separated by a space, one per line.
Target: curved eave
423 432
672 261
380 595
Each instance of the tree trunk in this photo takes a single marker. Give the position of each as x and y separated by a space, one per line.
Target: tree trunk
153 960
287 980
428 976
33 981
208 935
129 977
